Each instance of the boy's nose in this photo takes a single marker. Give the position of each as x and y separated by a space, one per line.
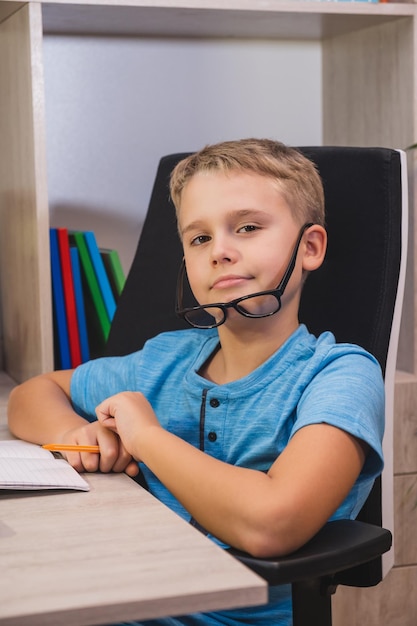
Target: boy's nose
219 261
222 251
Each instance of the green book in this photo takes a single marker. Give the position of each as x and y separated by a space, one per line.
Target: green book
114 270
98 321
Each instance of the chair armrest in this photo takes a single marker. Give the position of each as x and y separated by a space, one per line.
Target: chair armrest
338 546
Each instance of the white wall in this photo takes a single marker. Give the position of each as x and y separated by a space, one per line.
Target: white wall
114 106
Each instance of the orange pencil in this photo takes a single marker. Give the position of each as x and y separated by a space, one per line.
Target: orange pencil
60 447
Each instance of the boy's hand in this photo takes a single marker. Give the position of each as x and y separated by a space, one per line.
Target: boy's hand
128 414
113 456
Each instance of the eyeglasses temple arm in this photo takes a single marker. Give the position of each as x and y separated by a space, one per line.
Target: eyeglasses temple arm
284 281
180 281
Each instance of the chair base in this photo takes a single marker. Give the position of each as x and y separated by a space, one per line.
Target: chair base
311 599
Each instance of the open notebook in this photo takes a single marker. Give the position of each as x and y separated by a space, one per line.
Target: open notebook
25 465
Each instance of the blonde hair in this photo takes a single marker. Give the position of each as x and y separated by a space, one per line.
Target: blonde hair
296 176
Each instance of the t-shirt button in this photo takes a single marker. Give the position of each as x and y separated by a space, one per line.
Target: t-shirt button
212 436
214 403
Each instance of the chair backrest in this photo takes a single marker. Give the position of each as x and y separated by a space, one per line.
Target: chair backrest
353 294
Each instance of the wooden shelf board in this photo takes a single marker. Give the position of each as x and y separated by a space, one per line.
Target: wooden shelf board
218 18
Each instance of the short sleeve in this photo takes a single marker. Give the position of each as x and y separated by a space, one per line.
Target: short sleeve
96 380
348 392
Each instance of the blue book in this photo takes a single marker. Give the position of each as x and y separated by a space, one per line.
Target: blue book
101 274
60 318
79 303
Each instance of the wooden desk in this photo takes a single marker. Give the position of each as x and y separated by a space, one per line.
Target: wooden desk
111 554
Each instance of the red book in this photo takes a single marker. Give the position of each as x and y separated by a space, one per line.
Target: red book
69 297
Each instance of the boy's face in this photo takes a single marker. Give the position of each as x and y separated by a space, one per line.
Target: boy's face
238 235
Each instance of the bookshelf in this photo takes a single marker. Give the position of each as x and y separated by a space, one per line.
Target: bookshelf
369 98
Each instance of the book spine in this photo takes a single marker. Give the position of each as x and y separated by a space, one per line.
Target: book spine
79 301
114 270
63 360
77 238
69 297
101 275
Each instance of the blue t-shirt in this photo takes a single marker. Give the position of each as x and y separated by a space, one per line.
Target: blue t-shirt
247 422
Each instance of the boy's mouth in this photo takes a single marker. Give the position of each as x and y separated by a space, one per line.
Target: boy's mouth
231 280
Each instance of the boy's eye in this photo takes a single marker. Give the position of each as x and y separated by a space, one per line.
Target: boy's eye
248 228
197 241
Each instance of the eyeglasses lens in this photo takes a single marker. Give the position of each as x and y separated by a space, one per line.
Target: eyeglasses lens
259 306
205 318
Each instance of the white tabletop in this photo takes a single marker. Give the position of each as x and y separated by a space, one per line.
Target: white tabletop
111 554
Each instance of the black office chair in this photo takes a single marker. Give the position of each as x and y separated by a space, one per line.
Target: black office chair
357 294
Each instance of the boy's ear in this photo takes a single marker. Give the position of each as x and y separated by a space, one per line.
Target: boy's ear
315 245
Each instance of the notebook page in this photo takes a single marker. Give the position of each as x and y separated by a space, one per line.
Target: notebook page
18 449
27 466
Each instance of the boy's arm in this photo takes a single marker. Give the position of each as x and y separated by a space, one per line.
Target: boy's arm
40 411
263 514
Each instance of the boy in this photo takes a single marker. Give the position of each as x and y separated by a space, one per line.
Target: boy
247 426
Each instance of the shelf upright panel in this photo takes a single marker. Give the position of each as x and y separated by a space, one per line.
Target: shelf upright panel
26 313
369 96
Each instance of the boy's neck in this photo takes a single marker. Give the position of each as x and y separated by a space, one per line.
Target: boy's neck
241 353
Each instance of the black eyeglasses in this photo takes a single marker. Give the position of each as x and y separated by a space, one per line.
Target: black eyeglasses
255 305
